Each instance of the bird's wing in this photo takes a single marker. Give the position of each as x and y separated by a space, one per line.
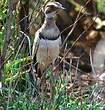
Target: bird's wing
35 44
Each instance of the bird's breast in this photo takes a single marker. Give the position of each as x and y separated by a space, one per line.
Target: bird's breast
50 31
49 43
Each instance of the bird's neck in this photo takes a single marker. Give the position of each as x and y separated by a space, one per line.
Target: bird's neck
49 22
49 28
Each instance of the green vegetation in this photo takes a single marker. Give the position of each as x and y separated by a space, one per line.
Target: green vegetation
19 92
101 5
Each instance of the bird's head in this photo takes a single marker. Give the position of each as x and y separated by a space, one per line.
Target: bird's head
51 9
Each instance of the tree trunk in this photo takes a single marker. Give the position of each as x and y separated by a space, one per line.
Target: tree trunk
24 24
6 36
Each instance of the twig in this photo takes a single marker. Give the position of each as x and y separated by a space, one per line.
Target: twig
37 15
74 43
72 66
29 42
91 62
74 25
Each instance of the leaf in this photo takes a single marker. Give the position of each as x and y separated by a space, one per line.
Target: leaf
101 5
14 65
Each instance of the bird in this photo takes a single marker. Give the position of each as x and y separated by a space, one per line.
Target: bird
47 41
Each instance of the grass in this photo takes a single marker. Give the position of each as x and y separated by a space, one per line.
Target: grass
21 94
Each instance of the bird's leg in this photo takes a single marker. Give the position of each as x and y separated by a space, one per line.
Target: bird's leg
39 71
43 78
55 69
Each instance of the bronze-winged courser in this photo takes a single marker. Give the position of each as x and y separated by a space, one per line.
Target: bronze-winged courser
47 40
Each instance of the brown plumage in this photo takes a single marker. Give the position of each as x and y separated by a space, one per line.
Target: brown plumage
47 39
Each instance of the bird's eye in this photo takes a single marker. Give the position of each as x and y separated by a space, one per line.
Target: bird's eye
50 6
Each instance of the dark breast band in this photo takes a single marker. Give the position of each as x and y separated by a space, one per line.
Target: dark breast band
41 36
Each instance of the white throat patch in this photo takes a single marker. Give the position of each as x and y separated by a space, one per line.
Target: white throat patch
50 15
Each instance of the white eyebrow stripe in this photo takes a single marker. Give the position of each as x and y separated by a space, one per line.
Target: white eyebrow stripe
56 4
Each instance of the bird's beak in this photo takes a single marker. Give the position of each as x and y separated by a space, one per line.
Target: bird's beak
61 7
